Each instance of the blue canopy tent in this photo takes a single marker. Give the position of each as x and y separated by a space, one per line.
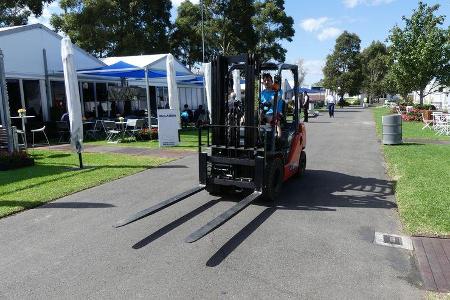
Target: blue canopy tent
143 70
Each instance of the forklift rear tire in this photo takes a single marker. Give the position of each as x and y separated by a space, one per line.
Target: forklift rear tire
274 180
302 164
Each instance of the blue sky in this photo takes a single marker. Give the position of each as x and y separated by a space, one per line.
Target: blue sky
317 24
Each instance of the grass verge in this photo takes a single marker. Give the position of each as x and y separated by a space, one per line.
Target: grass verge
410 130
56 174
422 173
188 142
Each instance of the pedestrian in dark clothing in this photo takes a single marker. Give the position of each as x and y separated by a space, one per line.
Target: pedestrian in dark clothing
189 112
341 102
199 116
305 107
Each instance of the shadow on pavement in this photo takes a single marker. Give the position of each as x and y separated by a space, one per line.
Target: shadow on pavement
239 237
171 226
318 190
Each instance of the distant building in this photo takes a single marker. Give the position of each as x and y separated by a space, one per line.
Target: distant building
440 98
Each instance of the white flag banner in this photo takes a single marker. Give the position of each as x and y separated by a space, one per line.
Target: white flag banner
72 95
207 68
237 84
172 86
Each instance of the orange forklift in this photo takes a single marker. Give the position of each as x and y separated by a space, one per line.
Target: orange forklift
242 151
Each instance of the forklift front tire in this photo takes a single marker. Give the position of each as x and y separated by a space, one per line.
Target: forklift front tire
214 189
301 164
274 180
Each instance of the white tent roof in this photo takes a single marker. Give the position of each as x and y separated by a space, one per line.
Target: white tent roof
152 62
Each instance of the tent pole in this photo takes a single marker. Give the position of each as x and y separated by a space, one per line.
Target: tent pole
147 92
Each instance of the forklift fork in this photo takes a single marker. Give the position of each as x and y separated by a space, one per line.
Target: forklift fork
160 206
222 218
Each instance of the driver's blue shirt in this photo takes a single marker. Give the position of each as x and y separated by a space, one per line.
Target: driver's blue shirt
267 98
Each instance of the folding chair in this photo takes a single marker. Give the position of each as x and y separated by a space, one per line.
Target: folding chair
42 130
426 122
63 129
110 129
134 127
94 131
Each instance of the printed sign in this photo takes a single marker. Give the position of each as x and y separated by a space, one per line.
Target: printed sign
167 127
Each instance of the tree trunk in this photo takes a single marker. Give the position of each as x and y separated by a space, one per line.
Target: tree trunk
421 97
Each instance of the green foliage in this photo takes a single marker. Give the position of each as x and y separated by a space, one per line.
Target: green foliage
272 25
16 12
342 69
420 51
375 64
230 28
116 27
422 173
186 39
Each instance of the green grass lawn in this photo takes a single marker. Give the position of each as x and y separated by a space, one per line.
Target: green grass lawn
410 130
188 141
422 175
56 174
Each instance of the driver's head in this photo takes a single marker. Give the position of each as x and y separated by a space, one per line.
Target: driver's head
267 80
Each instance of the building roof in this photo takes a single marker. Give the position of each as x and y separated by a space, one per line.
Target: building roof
16 29
154 61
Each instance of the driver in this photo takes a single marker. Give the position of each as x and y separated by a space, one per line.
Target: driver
267 101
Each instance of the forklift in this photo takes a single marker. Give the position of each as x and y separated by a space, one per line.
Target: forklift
244 151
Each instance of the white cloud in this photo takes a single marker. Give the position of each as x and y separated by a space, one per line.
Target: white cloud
323 27
312 24
177 3
328 33
52 8
354 3
314 66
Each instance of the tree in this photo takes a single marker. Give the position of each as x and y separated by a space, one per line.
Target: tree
116 27
228 29
342 69
375 64
232 27
16 12
272 25
420 51
301 71
186 39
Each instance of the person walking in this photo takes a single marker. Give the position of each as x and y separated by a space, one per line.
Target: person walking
305 106
341 101
331 102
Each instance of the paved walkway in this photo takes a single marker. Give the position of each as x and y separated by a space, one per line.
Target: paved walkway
318 243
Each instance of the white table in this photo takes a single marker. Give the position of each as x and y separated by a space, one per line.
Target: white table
24 128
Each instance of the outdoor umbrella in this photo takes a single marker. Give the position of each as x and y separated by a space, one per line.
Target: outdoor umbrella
73 97
207 70
172 86
237 84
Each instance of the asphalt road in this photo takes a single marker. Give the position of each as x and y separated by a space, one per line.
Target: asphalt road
318 244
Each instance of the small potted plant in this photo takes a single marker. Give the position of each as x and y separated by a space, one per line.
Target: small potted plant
22 112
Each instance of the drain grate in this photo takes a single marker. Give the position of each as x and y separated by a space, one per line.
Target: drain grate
390 239
393 240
